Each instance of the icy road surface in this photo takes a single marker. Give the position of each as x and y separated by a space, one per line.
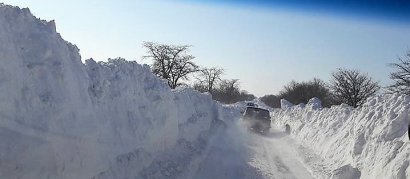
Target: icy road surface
238 153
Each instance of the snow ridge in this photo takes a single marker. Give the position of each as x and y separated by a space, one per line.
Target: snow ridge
60 118
372 139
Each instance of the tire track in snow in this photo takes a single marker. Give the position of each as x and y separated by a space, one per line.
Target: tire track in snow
276 160
243 155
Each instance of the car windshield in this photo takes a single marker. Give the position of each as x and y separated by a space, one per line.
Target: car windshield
257 113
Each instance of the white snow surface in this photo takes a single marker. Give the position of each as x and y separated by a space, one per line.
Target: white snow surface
367 142
60 118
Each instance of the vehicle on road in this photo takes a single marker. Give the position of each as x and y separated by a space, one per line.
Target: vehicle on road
257 119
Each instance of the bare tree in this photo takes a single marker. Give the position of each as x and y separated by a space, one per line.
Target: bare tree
301 92
352 87
170 62
271 100
401 76
228 91
207 79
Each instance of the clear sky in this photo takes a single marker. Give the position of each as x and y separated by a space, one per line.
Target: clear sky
263 44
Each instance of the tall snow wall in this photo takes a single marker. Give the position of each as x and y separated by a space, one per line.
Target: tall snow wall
60 118
372 138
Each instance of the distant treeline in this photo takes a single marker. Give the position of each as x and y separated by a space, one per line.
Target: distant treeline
349 86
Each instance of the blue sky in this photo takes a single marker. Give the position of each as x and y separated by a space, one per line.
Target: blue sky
265 45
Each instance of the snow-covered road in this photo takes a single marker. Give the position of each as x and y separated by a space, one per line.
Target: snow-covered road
275 158
238 153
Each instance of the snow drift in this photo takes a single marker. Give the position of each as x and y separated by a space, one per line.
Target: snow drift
370 141
60 118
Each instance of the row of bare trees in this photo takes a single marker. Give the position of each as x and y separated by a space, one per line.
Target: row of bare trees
347 86
174 64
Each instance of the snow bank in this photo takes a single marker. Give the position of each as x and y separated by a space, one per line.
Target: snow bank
370 141
60 118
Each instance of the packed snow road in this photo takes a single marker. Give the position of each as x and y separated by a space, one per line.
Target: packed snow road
238 153
275 158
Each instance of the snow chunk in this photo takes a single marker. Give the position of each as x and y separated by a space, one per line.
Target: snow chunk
315 103
301 105
284 104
